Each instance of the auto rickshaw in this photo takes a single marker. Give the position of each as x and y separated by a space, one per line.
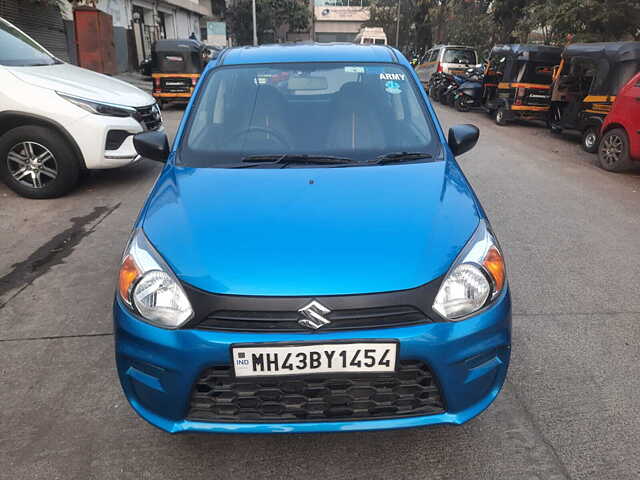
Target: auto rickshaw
586 84
176 67
517 82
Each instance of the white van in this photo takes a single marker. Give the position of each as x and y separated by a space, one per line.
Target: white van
371 36
452 59
57 119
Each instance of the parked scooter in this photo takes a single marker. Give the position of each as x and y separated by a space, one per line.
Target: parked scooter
447 97
469 93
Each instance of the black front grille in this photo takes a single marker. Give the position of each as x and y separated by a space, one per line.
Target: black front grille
287 321
410 391
149 116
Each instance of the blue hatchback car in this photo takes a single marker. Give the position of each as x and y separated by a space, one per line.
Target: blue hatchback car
311 257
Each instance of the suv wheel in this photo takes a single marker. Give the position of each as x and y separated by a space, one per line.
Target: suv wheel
36 162
590 139
613 152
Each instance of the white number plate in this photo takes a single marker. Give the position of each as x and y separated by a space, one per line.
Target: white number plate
264 360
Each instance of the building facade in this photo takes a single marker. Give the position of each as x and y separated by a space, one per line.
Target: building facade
339 20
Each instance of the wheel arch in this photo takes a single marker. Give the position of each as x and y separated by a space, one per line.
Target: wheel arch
612 125
12 119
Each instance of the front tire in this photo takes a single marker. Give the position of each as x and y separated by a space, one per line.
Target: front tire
501 116
613 152
590 139
37 162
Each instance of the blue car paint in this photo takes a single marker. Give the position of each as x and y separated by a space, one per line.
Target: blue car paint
187 207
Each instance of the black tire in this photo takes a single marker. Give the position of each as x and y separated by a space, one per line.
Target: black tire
27 168
461 105
590 139
501 116
613 151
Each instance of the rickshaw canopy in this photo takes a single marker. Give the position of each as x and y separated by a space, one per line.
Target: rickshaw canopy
177 56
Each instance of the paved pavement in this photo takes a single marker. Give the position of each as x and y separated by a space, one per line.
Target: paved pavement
570 407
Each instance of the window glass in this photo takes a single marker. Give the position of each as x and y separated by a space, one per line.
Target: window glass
459 55
434 56
623 73
359 111
16 49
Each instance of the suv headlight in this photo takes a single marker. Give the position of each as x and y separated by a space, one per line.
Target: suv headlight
100 108
147 285
475 279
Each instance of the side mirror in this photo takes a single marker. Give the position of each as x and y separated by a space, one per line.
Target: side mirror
152 145
463 138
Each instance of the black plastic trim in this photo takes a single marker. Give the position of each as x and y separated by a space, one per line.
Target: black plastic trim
205 303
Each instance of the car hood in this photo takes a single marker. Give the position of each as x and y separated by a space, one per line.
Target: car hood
72 80
319 231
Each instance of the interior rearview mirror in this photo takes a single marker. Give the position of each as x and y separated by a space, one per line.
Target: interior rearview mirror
152 145
463 138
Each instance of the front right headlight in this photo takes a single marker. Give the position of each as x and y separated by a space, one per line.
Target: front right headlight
475 279
148 287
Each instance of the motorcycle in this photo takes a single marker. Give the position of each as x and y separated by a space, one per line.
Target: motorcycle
469 93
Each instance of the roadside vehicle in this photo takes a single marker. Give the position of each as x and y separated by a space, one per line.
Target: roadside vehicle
371 36
449 59
586 84
517 81
619 149
311 257
57 120
176 66
470 92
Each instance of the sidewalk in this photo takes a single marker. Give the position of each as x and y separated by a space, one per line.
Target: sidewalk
136 79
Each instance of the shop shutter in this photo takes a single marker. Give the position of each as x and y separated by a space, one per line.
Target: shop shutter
43 23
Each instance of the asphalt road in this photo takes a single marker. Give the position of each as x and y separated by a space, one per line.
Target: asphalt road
570 407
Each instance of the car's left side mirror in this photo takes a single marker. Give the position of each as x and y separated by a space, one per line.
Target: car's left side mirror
463 138
152 145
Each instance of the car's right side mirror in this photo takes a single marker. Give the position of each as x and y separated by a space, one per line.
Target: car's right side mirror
152 145
463 138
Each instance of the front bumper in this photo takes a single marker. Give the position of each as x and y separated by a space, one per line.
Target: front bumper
158 367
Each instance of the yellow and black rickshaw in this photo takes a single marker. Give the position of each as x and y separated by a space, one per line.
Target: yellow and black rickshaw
586 84
517 82
175 68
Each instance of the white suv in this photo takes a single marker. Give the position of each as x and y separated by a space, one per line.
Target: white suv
57 119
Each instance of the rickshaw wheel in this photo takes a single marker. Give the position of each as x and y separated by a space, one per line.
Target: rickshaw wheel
613 151
590 140
501 116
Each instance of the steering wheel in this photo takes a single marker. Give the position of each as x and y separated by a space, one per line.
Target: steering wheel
274 133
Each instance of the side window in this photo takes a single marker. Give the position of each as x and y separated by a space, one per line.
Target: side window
434 56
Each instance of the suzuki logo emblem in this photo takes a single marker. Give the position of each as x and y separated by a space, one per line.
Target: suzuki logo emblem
314 314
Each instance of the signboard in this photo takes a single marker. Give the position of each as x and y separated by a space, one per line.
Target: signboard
217 33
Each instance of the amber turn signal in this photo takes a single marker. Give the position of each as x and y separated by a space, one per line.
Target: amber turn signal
128 274
494 263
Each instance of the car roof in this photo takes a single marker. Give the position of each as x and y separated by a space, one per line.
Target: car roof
309 52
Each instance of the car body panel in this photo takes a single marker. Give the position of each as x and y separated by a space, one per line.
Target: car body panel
80 82
625 113
342 230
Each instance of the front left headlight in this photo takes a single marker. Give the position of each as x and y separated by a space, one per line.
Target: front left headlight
149 288
475 279
100 108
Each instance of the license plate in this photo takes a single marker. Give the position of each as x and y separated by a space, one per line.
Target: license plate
266 360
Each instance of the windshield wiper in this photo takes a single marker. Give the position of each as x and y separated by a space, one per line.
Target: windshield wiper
289 158
396 157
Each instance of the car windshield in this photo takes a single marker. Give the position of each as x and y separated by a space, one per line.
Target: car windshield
458 55
356 112
18 50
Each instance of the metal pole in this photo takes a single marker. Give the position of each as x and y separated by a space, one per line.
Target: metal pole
312 4
255 30
398 27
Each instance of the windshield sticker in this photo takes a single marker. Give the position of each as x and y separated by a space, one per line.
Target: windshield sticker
392 76
392 87
354 69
